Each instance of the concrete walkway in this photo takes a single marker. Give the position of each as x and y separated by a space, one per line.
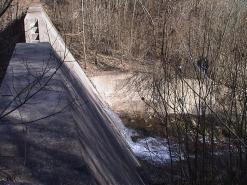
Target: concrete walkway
38 136
53 127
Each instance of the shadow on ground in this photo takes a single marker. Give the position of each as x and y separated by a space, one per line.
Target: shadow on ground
41 153
12 34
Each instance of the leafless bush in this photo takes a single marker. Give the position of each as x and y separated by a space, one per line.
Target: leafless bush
175 35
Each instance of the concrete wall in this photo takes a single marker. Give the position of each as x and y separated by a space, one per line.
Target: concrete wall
39 28
107 155
123 93
36 16
119 95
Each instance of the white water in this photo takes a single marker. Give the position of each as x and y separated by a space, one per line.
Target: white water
152 149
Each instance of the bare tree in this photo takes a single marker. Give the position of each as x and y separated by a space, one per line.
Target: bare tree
83 32
202 108
4 6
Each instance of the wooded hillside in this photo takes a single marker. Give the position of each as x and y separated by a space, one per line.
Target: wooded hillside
204 40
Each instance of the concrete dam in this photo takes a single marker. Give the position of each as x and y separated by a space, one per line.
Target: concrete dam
54 129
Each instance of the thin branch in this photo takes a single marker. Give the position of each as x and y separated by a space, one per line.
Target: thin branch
5 7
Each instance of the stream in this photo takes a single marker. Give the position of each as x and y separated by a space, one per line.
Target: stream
150 149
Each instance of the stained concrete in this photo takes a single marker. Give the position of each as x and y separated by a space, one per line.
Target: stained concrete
123 92
119 93
53 127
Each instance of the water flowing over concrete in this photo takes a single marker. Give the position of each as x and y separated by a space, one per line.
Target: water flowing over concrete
49 103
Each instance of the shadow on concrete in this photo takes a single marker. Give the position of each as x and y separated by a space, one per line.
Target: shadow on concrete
28 154
101 143
47 151
12 34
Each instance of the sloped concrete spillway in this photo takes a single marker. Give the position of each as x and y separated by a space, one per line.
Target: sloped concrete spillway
49 106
